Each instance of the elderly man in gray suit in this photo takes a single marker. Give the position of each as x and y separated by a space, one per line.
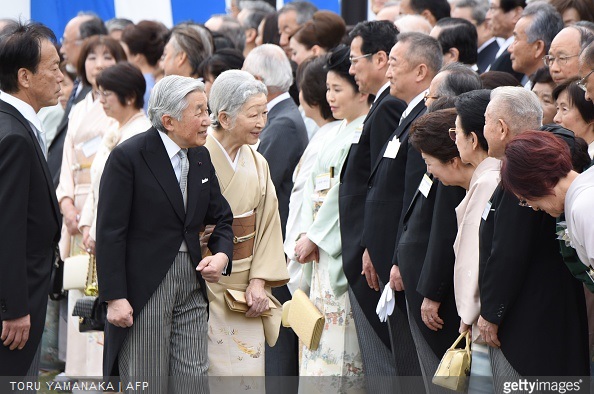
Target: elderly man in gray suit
282 143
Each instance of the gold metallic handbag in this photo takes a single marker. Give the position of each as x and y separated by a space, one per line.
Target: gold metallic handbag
236 301
304 318
454 369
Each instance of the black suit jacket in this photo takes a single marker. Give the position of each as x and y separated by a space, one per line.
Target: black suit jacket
390 188
425 256
141 224
29 230
487 56
282 143
529 293
380 123
503 63
54 153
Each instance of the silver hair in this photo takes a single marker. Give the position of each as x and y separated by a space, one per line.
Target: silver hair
413 23
270 63
229 93
518 107
546 23
169 97
304 9
255 11
459 79
479 9
422 49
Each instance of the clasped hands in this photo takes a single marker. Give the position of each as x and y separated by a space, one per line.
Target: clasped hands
306 250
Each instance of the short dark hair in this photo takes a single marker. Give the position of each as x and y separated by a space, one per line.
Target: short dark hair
508 5
471 107
375 35
113 46
585 8
326 29
126 81
576 98
21 49
438 8
338 61
146 38
533 164
429 134
311 79
495 79
578 147
92 27
542 75
460 34
220 61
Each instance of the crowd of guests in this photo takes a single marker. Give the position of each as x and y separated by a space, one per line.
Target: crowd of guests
436 156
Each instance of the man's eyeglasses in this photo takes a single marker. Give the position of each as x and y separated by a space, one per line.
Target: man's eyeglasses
562 60
65 41
355 60
582 83
427 97
452 133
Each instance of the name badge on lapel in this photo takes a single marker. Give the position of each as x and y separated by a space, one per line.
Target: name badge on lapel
425 185
357 135
486 211
323 182
392 148
90 147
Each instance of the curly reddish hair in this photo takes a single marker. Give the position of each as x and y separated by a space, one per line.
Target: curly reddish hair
533 164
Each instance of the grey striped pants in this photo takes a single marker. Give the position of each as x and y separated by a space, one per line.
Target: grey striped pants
167 344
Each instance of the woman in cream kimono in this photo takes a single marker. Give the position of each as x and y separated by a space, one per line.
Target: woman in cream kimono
88 123
236 340
338 353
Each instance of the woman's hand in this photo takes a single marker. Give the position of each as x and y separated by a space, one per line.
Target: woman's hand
71 217
465 327
88 242
256 298
306 250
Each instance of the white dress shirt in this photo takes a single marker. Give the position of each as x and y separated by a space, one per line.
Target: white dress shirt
28 113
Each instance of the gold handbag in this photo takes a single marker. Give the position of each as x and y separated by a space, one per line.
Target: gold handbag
236 302
454 369
304 318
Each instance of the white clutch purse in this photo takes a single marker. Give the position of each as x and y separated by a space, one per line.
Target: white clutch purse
76 269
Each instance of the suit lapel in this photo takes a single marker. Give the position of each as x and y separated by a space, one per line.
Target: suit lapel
194 182
158 162
412 201
40 157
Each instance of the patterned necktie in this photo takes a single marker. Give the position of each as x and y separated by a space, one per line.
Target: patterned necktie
183 179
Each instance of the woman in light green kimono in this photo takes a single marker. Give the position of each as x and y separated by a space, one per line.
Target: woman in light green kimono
320 246
236 340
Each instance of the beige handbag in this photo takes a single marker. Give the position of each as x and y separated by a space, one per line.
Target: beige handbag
236 301
76 270
454 369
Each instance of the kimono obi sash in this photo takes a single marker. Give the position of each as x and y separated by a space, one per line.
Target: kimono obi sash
244 234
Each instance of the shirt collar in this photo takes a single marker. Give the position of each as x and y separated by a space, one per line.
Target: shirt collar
382 89
171 147
504 47
24 108
591 150
277 100
413 103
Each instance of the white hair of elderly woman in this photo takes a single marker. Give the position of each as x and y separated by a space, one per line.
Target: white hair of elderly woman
229 93
168 97
269 63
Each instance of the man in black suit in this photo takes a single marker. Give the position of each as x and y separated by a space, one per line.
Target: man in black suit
30 221
78 28
158 189
527 294
282 143
370 46
503 16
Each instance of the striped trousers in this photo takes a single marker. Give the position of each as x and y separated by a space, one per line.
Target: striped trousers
167 343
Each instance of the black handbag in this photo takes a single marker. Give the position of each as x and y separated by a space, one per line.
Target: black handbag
56 291
91 313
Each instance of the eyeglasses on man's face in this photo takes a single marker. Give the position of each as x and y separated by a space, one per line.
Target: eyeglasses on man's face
561 60
427 97
583 83
355 60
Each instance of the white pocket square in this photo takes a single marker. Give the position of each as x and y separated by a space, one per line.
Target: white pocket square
205 180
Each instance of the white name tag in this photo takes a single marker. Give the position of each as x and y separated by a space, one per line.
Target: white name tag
486 211
392 148
323 182
425 185
91 147
357 135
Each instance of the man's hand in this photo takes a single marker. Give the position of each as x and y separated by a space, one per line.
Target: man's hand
211 267
15 332
71 217
88 242
369 272
396 279
256 298
489 332
429 314
306 250
119 313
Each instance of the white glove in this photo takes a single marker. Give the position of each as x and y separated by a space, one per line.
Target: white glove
385 306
